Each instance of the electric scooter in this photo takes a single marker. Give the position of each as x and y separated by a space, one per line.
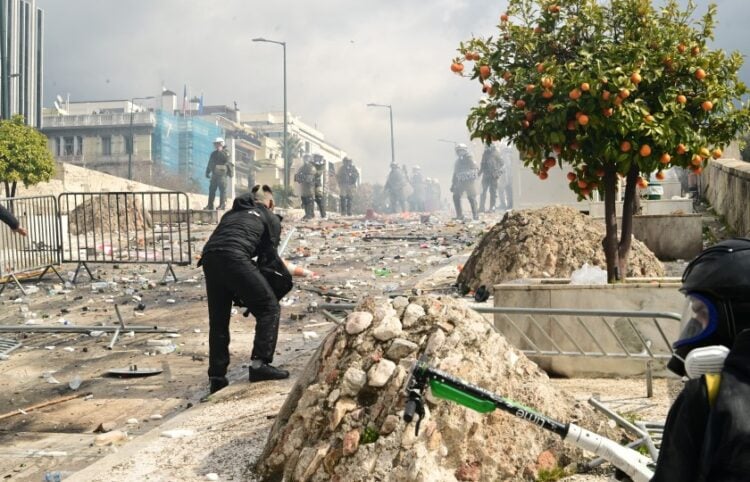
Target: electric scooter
447 387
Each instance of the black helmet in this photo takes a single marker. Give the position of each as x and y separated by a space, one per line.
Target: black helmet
717 287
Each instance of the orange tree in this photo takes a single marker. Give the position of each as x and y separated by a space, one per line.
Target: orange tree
614 90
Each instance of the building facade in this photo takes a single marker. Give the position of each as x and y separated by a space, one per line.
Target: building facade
21 55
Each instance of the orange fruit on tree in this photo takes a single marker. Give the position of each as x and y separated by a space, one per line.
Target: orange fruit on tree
607 112
649 119
520 103
507 75
469 56
697 160
571 176
625 146
617 101
704 152
571 125
636 78
642 183
585 87
665 158
707 105
526 124
538 29
457 67
530 88
700 74
547 94
543 175
550 107
529 115
574 146
645 150
583 119
575 94
697 171
681 48
550 162
547 82
681 149
553 9
660 175
484 71
606 94
540 67
624 93
585 192
681 99
600 172
504 17
717 153
695 50
582 184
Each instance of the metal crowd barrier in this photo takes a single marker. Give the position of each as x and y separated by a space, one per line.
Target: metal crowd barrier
125 227
39 250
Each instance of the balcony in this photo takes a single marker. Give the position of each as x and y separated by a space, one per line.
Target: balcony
98 120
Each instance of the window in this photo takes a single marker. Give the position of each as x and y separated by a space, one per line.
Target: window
128 144
79 146
58 146
106 145
68 146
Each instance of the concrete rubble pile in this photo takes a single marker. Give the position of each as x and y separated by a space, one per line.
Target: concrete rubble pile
551 242
342 420
102 215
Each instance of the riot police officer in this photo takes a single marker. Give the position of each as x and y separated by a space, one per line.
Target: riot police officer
491 169
218 170
319 165
396 188
465 173
305 177
419 186
347 177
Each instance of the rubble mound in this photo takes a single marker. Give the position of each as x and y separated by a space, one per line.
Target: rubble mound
550 242
110 214
343 419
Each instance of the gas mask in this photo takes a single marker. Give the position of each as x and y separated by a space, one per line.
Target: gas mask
698 328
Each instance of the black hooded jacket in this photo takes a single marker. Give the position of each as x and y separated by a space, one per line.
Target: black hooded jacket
248 230
704 443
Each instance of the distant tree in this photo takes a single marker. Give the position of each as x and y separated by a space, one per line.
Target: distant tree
24 155
283 197
612 88
293 148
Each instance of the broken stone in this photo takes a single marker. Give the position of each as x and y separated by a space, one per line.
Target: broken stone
178 433
358 321
435 341
389 328
379 374
411 315
212 476
390 424
469 471
351 442
400 348
546 461
105 427
354 380
110 438
342 407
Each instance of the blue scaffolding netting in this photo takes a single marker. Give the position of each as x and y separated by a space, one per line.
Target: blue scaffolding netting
182 146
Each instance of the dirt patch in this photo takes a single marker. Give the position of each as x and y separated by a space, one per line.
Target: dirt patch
550 242
342 420
120 213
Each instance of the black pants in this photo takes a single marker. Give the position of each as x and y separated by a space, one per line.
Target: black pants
219 182
229 277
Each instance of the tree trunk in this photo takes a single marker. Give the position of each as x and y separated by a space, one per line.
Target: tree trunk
628 208
610 221
7 188
13 189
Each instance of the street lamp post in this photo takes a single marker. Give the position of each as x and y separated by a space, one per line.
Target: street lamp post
285 151
132 140
390 109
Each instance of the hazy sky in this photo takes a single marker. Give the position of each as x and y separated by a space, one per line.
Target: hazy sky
341 54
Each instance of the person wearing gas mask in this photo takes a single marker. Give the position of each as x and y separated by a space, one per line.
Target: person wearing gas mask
707 433
305 177
465 174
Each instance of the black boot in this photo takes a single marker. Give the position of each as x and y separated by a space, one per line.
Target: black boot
307 205
457 205
348 206
321 206
267 372
217 383
473 204
342 206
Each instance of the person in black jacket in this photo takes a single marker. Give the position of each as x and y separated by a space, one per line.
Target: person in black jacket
219 168
707 434
7 217
248 230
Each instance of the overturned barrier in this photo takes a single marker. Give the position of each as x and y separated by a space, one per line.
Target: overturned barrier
38 251
125 227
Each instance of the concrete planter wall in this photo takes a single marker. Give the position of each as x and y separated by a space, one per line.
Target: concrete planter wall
642 295
649 207
726 185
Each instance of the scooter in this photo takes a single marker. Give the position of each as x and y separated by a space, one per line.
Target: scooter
447 387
